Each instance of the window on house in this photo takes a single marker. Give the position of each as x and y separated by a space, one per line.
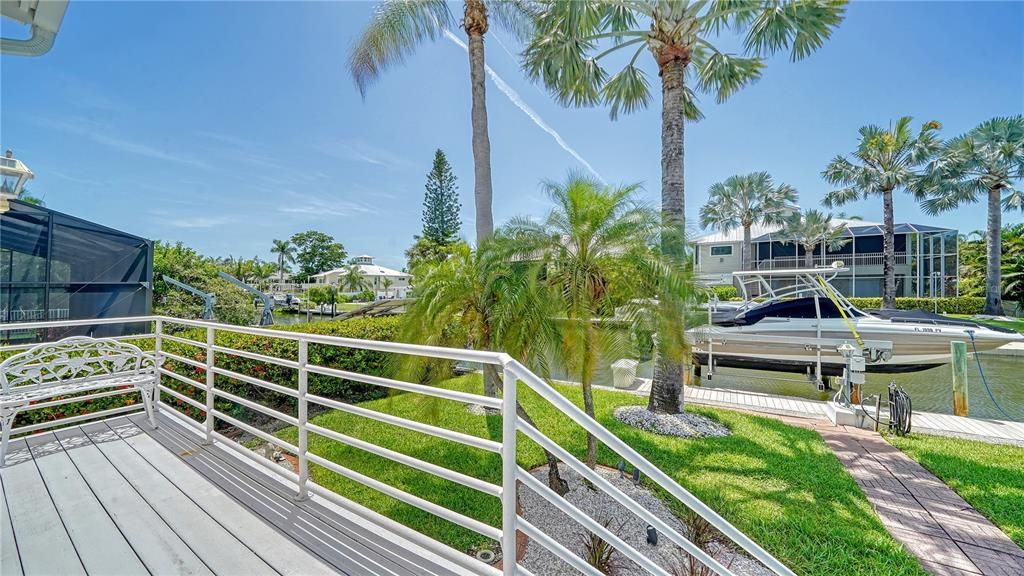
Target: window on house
721 250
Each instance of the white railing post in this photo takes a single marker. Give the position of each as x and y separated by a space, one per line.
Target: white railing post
209 384
159 333
303 418
509 466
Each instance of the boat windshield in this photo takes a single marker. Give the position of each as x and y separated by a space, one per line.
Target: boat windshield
798 289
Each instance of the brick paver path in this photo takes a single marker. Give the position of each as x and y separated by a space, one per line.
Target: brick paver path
935 524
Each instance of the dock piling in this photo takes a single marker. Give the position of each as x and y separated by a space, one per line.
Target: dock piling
958 350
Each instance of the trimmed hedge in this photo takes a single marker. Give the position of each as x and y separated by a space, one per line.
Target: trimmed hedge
723 293
950 305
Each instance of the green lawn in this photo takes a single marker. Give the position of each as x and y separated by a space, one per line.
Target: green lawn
989 476
780 484
1016 324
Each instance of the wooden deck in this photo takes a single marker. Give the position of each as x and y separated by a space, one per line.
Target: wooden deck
980 429
117 497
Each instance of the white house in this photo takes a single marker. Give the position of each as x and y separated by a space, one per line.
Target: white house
373 275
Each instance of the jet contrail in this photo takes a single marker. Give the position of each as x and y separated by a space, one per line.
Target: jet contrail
512 95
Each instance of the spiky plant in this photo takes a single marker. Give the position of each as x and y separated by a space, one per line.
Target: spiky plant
599 553
812 229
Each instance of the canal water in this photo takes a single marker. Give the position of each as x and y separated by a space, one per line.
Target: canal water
929 390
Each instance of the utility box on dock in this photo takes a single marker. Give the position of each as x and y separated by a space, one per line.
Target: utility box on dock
624 373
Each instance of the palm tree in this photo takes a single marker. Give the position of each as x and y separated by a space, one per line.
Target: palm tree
812 229
745 200
597 272
572 40
285 251
353 280
884 161
488 300
399 26
386 284
983 163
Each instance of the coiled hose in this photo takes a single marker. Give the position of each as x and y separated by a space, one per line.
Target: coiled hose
900 410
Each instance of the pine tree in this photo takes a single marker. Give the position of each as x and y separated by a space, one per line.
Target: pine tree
441 206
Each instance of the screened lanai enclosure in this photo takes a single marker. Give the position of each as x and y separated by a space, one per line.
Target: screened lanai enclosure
58 267
926 265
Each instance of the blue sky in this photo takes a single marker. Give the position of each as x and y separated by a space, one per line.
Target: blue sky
226 125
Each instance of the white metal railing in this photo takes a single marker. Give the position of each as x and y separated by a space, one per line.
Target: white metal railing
513 375
849 260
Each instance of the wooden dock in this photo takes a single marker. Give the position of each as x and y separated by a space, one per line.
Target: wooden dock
117 497
980 429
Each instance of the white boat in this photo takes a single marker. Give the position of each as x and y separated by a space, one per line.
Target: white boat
794 320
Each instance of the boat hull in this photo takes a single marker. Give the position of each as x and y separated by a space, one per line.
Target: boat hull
915 347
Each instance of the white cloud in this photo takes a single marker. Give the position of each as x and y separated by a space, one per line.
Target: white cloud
354 150
321 207
517 100
100 134
198 221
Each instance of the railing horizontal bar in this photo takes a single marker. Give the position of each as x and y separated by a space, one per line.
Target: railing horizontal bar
79 418
265 462
68 323
183 360
173 412
408 386
256 382
63 401
256 406
258 357
440 471
175 394
474 441
563 553
185 341
182 379
18 347
456 557
589 523
621 497
653 472
256 432
411 499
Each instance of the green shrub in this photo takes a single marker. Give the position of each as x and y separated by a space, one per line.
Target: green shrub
723 293
949 305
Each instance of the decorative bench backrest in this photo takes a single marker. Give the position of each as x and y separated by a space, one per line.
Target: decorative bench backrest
78 358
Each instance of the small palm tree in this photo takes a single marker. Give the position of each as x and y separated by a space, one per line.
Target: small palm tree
285 251
812 229
985 163
745 200
884 161
572 40
399 26
597 272
386 284
353 280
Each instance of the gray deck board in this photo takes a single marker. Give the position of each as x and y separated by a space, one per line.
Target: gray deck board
158 547
218 548
10 562
283 555
100 545
43 543
118 497
349 547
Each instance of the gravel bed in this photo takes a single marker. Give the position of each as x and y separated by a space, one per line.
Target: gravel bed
627 525
685 425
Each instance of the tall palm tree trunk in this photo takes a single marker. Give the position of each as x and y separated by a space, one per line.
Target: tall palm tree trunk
993 273
280 268
809 255
667 387
748 246
888 254
586 379
476 27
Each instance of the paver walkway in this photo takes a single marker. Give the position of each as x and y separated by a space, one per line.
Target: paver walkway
931 520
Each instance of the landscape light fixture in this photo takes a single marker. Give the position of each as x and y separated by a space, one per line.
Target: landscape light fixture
13 175
43 16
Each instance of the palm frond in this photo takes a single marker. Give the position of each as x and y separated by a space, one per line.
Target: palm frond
802 26
397 28
723 74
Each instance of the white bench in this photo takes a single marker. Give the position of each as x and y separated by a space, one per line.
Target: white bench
72 366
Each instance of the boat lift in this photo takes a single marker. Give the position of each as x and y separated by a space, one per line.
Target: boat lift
267 316
209 298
